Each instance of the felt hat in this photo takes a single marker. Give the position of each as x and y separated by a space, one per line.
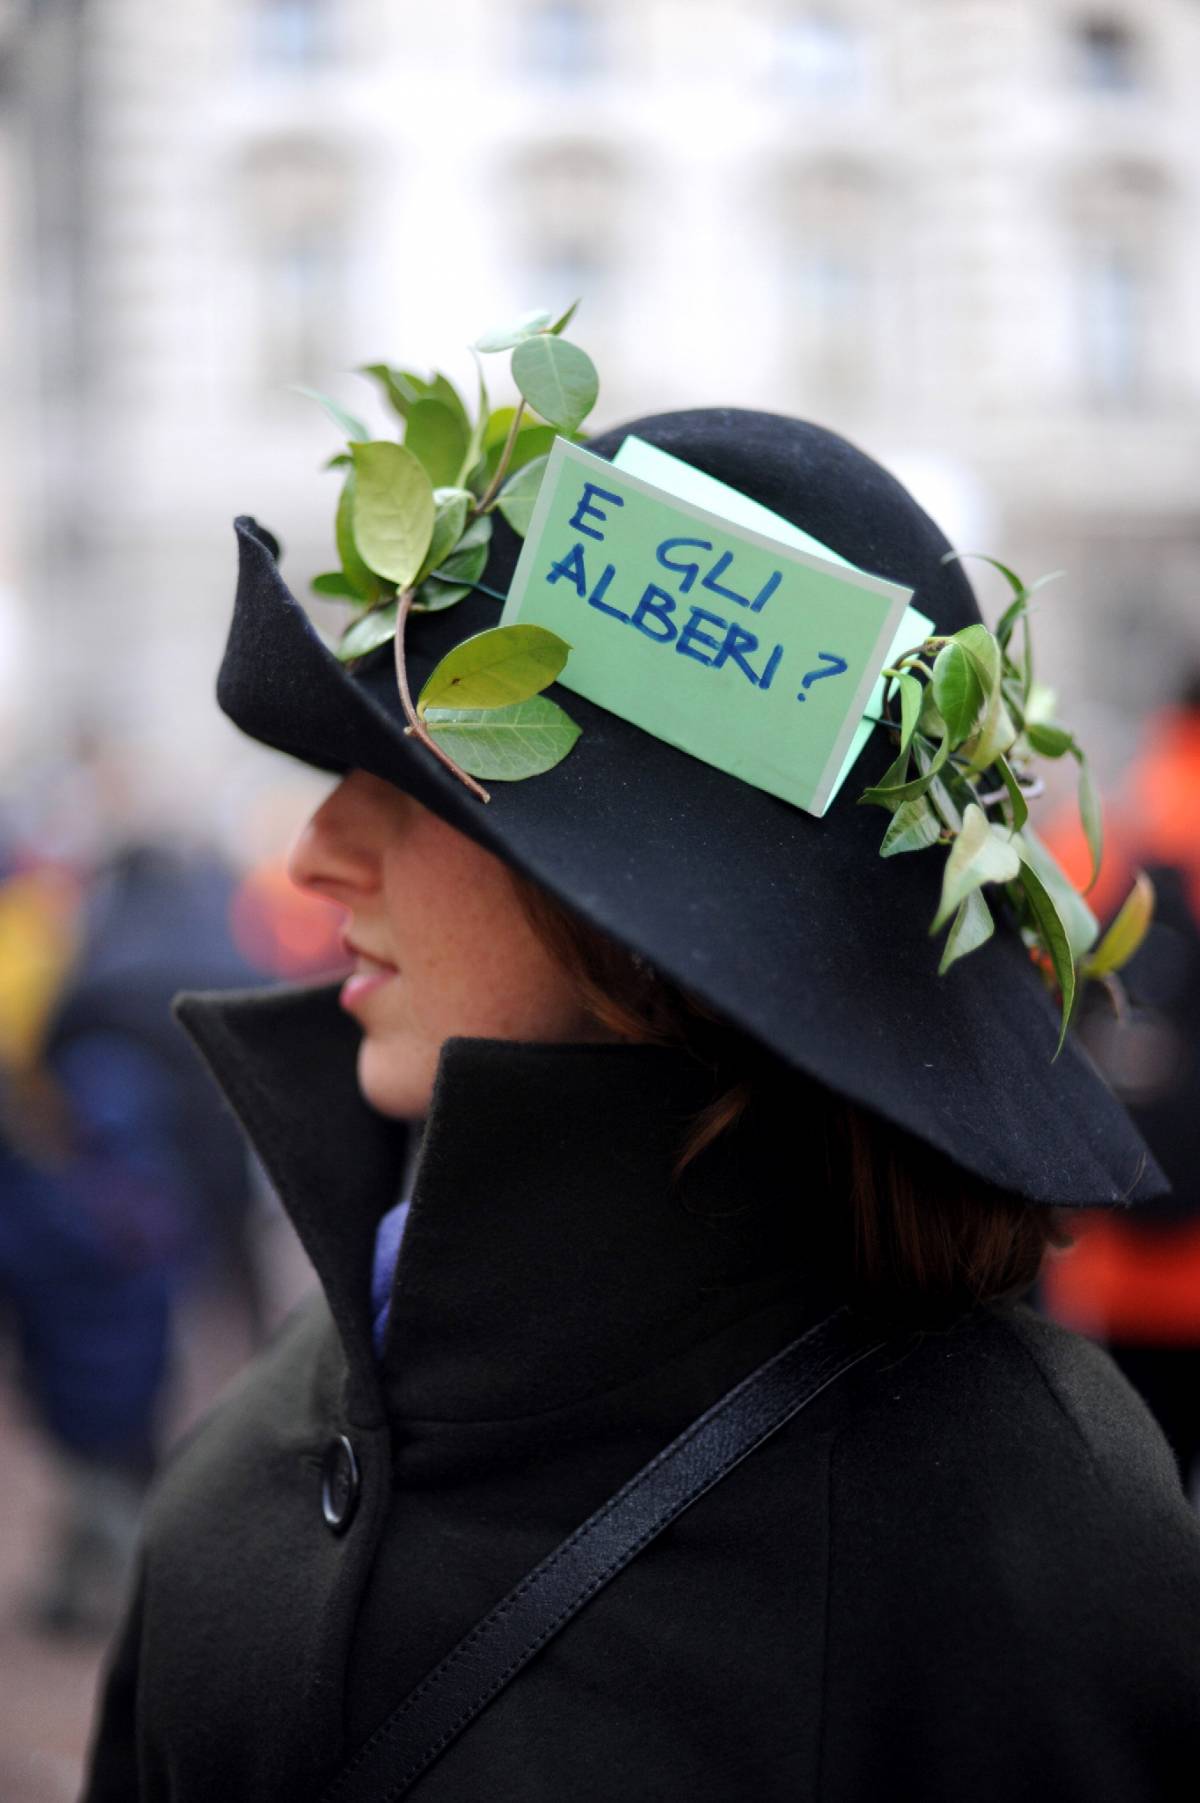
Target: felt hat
789 925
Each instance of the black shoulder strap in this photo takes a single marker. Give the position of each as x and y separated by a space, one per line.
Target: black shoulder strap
498 1647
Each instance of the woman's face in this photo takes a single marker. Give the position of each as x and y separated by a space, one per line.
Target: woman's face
440 943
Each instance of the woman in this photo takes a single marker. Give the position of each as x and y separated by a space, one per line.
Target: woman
689 1081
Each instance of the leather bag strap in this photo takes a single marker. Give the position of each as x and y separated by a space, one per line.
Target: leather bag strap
458 1689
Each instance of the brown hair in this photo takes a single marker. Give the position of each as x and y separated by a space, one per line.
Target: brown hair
922 1239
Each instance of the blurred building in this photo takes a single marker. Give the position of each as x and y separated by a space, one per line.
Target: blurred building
962 231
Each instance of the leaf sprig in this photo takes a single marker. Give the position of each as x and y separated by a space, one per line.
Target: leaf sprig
969 719
413 528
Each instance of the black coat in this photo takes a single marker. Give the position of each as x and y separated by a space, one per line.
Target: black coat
966 1573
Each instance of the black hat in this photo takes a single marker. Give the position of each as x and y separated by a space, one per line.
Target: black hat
791 926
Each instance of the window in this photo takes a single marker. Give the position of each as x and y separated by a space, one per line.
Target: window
296 193
1119 224
298 302
1113 299
830 215
817 56
567 200
1106 57
563 40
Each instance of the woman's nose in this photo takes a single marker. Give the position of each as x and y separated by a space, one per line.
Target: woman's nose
332 854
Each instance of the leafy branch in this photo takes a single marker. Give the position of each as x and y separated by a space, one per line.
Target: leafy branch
413 529
968 720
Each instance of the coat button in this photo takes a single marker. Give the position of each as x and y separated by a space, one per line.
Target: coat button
340 1484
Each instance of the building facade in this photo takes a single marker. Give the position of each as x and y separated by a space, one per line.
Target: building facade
964 232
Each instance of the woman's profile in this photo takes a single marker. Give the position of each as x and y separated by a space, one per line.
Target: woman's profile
641 1078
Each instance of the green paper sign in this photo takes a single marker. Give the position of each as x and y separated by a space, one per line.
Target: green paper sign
749 652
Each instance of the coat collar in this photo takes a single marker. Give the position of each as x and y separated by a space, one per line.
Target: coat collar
549 1252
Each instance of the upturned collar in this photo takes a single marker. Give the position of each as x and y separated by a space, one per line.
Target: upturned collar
550 1252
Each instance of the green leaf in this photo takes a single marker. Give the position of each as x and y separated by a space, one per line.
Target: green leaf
1082 927
1050 741
1127 931
435 595
564 319
1053 935
478 436
971 927
1016 796
353 568
980 854
368 632
945 805
929 721
336 583
340 460
957 690
518 497
448 525
1008 619
984 651
890 794
468 560
913 826
503 338
1010 576
504 743
995 736
558 380
889 783
441 388
438 437
350 425
1040 703
910 708
455 577
498 426
399 386
1092 817
394 510
532 442
995 732
502 665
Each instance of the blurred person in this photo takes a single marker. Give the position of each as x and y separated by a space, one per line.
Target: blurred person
642 1092
1133 1279
120 1179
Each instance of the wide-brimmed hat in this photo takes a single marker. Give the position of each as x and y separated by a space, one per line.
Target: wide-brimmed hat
789 925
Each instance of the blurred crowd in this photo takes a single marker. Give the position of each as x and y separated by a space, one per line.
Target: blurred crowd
124 1181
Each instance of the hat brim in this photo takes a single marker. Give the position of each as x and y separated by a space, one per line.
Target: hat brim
790 926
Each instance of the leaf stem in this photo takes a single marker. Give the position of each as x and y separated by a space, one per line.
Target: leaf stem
493 487
416 726
1031 790
911 659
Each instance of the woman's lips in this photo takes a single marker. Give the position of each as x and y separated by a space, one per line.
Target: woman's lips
370 975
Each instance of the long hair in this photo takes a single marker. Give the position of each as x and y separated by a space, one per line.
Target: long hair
921 1239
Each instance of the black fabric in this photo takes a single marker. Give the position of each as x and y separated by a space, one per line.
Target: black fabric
790 926
968 1571
498 1648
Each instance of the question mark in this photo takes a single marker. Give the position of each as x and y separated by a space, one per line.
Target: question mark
836 666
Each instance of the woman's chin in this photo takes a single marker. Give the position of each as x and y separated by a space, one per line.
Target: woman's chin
396 1077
